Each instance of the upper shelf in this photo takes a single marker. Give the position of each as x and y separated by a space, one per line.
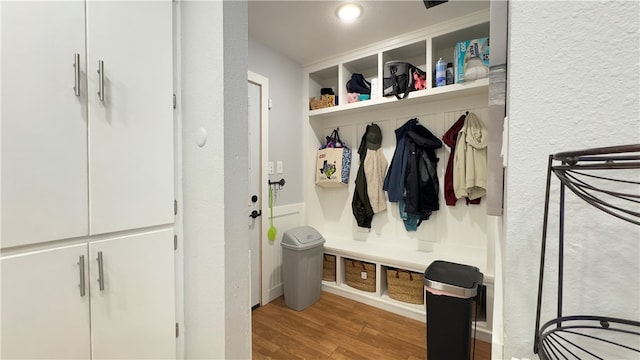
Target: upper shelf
422 49
476 87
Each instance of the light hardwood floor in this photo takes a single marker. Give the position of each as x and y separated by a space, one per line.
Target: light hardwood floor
338 328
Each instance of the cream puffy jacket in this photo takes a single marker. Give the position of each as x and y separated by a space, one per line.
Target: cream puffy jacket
375 169
470 161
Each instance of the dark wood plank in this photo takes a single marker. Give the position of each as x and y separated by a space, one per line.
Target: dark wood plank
338 328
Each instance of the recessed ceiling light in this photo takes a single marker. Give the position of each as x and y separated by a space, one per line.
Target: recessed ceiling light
349 12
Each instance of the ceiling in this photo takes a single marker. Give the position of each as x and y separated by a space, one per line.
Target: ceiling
308 30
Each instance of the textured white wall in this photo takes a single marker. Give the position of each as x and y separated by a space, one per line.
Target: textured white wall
285 118
216 272
203 185
573 84
236 184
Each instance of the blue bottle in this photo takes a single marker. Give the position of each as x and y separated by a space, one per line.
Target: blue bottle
441 73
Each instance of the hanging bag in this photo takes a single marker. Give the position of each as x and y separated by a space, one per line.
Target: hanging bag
401 78
333 163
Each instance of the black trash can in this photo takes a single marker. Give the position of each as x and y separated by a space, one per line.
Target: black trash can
450 292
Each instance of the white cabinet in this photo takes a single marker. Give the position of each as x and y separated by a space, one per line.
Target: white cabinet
75 167
133 314
45 315
44 123
131 128
76 164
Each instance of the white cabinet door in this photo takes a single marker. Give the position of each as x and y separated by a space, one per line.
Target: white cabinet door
133 316
44 129
44 314
131 129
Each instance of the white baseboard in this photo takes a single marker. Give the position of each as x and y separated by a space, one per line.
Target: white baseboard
275 292
284 218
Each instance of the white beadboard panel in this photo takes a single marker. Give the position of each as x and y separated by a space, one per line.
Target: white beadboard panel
284 218
451 227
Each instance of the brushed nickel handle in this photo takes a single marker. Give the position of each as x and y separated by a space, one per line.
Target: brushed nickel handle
81 265
100 271
101 81
76 73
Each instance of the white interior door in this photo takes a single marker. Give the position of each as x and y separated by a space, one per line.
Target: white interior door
258 145
255 202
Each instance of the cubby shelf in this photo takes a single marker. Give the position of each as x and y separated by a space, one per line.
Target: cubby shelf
454 91
421 48
413 311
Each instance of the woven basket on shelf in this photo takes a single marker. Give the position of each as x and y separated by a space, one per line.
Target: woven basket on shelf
322 102
329 268
355 270
405 286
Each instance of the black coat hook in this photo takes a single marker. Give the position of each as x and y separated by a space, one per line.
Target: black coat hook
279 182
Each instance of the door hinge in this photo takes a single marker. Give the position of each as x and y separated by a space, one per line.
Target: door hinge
177 330
175 207
175 101
175 242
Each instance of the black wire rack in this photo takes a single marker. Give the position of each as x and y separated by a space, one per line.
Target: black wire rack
589 337
597 177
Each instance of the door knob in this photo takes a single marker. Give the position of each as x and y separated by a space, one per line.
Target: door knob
255 213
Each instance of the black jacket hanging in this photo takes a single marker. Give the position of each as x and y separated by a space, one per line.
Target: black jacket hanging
361 206
394 181
421 179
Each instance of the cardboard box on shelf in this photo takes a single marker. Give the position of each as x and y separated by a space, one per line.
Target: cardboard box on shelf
471 60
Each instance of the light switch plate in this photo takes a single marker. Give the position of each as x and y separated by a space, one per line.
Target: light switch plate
279 167
270 167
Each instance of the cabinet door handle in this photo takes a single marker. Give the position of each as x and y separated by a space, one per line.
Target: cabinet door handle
101 80
81 265
76 73
100 271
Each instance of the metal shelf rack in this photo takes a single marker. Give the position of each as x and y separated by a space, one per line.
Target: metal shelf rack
590 174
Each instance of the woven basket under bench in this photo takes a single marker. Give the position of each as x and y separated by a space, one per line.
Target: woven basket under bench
355 272
405 286
329 268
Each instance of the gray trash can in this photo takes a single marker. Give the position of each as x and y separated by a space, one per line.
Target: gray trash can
450 292
302 249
